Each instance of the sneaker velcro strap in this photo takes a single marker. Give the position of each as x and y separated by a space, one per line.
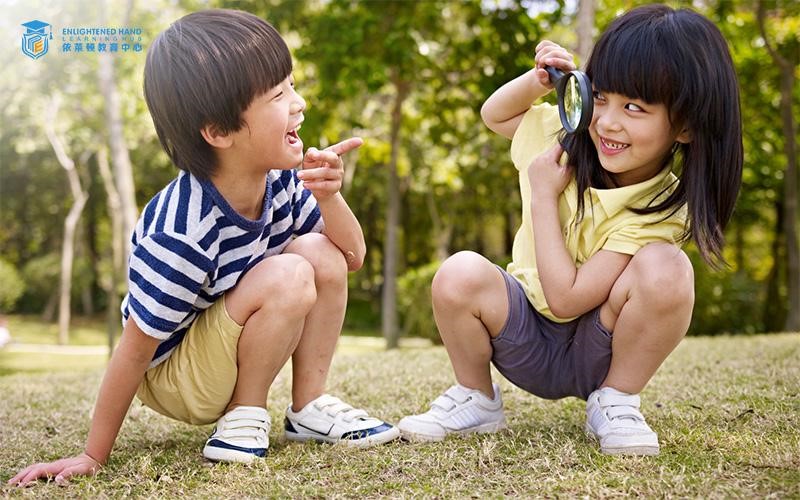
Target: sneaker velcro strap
445 402
615 412
241 432
619 400
335 407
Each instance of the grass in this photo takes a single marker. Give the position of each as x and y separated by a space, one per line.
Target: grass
726 410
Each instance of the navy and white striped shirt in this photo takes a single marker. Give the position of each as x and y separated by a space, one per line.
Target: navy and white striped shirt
189 247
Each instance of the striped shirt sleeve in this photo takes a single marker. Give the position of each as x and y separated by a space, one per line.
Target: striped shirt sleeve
305 211
166 274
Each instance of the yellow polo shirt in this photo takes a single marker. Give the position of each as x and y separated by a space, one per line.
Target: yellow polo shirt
607 223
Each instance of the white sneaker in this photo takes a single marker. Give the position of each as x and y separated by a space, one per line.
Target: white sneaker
241 435
458 411
329 420
613 418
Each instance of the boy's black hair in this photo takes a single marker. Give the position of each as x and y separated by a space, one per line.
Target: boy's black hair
206 69
680 59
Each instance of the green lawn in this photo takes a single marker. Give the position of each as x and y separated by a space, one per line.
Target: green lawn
726 410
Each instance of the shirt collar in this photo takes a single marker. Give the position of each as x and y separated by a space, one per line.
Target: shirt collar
636 195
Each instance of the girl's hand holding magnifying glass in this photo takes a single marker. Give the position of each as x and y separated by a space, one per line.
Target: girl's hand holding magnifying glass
553 55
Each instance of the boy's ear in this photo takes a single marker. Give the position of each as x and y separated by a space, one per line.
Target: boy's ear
215 137
684 137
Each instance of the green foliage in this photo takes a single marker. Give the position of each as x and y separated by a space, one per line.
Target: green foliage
11 286
459 190
42 277
725 301
414 302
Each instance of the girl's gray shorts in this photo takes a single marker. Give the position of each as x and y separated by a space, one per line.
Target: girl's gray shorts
551 360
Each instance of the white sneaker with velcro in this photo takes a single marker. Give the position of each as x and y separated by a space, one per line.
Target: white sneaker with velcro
241 435
614 419
328 419
459 410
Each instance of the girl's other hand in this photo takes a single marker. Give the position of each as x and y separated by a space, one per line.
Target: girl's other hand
553 55
547 176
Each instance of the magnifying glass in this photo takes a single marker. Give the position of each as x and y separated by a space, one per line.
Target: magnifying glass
575 101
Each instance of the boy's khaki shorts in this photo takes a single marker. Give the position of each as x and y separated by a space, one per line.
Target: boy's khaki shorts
196 382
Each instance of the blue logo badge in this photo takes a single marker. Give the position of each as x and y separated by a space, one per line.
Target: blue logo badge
35 41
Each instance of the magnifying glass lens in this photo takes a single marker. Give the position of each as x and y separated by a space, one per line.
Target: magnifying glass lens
573 103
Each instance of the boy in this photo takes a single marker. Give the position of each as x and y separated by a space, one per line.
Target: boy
239 263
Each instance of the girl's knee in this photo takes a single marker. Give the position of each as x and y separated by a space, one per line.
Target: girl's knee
664 272
461 277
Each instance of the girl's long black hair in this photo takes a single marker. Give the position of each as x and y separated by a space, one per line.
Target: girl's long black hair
680 59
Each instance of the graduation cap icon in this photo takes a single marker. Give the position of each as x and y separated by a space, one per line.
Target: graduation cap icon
38 27
34 40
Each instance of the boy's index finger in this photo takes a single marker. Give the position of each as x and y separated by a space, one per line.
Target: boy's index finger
346 145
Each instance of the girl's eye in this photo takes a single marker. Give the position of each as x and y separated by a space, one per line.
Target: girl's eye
633 107
597 95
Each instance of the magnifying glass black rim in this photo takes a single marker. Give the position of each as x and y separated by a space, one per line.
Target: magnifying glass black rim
587 101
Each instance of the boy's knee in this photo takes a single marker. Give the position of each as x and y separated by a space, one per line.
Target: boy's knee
665 274
460 277
327 260
287 282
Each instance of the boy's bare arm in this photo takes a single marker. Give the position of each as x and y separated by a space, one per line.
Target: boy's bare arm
322 174
123 376
503 110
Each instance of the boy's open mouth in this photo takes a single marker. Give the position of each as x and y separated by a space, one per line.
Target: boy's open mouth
292 137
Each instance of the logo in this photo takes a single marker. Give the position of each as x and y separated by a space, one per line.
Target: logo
35 41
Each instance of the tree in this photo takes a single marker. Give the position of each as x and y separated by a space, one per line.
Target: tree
787 58
70 222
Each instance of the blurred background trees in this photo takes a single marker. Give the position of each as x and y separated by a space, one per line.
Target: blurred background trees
409 77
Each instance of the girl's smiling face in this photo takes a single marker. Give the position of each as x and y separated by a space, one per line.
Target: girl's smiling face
632 137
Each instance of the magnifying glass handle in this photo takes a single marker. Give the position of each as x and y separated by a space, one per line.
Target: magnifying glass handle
555 74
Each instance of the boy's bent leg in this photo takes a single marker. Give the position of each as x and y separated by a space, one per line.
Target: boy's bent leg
272 302
312 357
313 415
648 310
470 305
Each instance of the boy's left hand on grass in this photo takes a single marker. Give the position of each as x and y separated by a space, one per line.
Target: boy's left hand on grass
323 170
60 471
547 176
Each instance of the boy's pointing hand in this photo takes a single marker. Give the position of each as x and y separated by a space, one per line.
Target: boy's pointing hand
323 171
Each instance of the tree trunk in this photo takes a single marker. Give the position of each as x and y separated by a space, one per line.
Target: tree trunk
585 27
390 247
790 178
790 201
117 245
441 232
774 308
70 223
120 159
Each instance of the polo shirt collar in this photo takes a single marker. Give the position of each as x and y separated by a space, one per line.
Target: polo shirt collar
616 199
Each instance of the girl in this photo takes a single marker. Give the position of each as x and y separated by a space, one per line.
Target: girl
593 304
